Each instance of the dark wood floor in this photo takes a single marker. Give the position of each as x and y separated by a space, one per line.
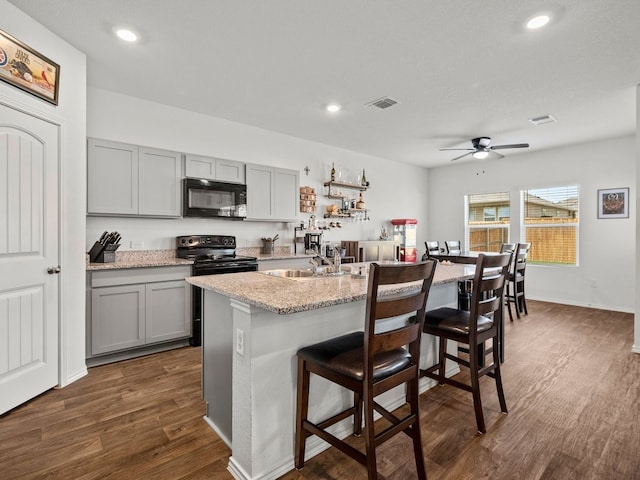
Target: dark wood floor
571 382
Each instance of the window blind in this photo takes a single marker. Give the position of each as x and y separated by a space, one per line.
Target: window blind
550 223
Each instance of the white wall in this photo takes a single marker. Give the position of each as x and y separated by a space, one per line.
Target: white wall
70 112
606 247
636 342
397 190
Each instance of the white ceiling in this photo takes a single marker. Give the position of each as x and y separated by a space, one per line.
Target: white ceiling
458 68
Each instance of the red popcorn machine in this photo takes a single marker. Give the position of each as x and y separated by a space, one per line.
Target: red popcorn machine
404 231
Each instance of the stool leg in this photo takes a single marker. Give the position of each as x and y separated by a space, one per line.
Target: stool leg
414 401
302 409
508 297
498 378
369 433
442 359
475 388
357 417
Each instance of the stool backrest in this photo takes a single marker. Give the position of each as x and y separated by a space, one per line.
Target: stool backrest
520 259
410 304
508 247
433 248
487 297
453 246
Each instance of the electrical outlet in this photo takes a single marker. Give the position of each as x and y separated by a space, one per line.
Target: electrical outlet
240 342
136 245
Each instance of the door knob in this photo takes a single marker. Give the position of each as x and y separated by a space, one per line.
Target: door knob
52 270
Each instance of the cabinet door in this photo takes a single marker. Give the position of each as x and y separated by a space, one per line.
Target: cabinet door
286 194
168 307
160 183
112 178
260 199
230 171
117 318
197 166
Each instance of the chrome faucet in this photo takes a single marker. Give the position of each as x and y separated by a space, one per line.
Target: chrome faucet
335 263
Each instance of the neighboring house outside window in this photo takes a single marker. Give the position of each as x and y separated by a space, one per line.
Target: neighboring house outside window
487 226
550 221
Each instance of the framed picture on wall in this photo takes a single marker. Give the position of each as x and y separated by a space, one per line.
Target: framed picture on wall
23 67
613 203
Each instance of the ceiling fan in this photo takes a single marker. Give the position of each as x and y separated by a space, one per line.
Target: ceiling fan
482 146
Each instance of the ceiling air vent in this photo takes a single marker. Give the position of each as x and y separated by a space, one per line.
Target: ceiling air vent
382 103
542 120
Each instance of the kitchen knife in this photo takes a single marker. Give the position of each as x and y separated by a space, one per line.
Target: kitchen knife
103 238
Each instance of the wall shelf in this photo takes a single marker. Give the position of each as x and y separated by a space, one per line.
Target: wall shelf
362 188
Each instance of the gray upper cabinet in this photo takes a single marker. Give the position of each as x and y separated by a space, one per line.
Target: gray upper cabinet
272 193
125 179
112 183
160 186
211 168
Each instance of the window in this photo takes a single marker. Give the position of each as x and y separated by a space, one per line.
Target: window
487 221
550 223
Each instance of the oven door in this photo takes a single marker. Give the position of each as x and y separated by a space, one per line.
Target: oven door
196 294
204 198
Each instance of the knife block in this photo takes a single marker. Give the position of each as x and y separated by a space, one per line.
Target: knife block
103 254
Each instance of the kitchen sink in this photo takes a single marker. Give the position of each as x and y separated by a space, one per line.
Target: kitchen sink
301 274
288 273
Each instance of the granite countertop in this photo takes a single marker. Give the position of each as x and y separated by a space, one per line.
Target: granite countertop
289 295
140 259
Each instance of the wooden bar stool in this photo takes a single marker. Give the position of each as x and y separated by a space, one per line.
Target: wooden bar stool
473 328
369 363
515 287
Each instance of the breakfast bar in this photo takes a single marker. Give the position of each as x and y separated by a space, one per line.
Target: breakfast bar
253 325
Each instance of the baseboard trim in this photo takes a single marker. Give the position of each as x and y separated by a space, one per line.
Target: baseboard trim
563 301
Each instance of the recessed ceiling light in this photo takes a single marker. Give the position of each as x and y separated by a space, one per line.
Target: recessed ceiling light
334 107
538 21
126 34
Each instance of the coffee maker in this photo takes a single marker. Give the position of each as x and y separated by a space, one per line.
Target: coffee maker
312 242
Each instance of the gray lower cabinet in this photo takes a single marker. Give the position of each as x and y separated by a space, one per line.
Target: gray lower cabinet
135 308
128 180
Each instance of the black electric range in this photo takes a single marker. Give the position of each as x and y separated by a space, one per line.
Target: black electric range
211 255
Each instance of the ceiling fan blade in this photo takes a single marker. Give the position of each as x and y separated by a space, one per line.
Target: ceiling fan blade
461 156
499 155
514 145
466 149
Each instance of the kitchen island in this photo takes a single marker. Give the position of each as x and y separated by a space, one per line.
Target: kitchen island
253 325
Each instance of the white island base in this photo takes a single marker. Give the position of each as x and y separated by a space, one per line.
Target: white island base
250 368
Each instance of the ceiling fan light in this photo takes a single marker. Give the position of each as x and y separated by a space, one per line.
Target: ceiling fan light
480 155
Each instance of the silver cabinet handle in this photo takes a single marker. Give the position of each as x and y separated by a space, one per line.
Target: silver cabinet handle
52 270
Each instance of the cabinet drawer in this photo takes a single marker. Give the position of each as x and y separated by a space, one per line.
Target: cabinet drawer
128 276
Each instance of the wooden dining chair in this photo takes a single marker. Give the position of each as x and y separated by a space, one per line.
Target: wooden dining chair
473 328
369 363
453 246
515 288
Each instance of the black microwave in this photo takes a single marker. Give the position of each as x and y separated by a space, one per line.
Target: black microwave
207 198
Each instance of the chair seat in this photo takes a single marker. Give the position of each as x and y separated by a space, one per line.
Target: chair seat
453 320
345 356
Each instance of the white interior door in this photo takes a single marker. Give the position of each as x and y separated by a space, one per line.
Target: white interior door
29 257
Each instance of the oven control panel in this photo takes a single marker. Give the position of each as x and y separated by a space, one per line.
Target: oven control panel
206 241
